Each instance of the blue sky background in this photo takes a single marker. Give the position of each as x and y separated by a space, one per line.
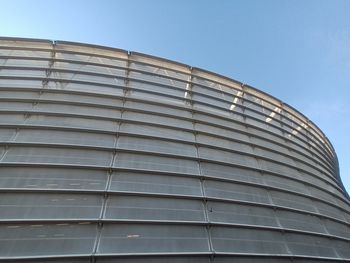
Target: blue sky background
298 51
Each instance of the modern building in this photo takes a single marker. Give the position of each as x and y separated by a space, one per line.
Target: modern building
115 156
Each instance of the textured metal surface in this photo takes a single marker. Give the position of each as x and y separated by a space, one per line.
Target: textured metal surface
107 154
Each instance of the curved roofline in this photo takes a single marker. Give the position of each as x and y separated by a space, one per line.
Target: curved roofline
169 61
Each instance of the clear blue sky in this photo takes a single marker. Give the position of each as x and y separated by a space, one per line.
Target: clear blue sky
296 50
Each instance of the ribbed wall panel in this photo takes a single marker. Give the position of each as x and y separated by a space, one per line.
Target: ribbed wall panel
111 155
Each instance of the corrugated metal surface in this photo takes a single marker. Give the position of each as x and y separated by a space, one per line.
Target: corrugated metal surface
109 155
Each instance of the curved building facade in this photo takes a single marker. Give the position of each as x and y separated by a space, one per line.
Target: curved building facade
115 156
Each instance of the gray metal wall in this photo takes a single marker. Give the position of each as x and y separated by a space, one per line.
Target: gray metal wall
108 156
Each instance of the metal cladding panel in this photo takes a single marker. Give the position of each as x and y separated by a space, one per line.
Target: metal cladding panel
115 156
